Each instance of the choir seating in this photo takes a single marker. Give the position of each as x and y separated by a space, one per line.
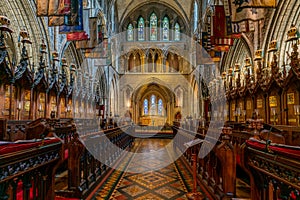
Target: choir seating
84 144
28 160
274 167
271 159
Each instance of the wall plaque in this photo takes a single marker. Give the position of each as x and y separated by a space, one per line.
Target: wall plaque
249 105
259 103
272 101
233 106
290 98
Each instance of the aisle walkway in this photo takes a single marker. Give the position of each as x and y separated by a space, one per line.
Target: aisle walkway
171 182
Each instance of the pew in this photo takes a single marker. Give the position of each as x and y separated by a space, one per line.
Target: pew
216 171
28 161
276 168
85 171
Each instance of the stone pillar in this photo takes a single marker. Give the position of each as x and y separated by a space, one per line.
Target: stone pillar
159 30
135 31
147 31
159 68
163 67
142 64
134 64
172 32
172 64
153 63
180 64
126 63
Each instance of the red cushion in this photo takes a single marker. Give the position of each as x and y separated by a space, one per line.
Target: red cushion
238 159
285 150
66 154
10 148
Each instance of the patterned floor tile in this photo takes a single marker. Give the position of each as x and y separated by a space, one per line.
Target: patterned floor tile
151 180
169 183
149 196
168 192
133 190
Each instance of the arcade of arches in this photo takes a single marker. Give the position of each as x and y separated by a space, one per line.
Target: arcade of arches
137 99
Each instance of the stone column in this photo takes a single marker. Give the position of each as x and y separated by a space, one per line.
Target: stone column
159 30
135 31
134 67
147 31
180 64
172 32
126 64
142 64
172 63
163 67
153 63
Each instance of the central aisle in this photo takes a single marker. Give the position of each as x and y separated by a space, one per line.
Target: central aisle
171 182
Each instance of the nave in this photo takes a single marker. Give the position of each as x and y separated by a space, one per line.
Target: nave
85 84
151 176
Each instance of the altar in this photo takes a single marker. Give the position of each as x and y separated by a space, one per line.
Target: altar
152 120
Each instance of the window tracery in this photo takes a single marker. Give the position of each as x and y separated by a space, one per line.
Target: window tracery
153 27
165 29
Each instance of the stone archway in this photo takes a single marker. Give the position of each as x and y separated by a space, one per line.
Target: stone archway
160 107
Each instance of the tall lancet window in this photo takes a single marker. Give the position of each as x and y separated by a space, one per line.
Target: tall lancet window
177 32
130 32
146 107
165 29
153 27
153 105
160 107
141 26
195 16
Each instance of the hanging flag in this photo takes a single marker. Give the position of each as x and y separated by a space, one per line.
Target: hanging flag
238 14
219 25
56 21
205 40
223 48
59 7
68 20
208 38
77 36
79 21
81 35
222 41
92 41
256 3
42 8
221 37
215 55
72 19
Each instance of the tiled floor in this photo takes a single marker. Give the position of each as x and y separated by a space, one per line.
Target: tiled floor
155 182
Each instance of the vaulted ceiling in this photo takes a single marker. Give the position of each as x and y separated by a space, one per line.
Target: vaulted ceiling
183 7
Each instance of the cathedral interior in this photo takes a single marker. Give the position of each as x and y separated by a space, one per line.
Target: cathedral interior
149 99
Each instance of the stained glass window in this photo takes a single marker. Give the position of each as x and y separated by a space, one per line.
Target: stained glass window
195 16
153 27
160 107
145 107
141 26
130 32
153 105
165 29
177 32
